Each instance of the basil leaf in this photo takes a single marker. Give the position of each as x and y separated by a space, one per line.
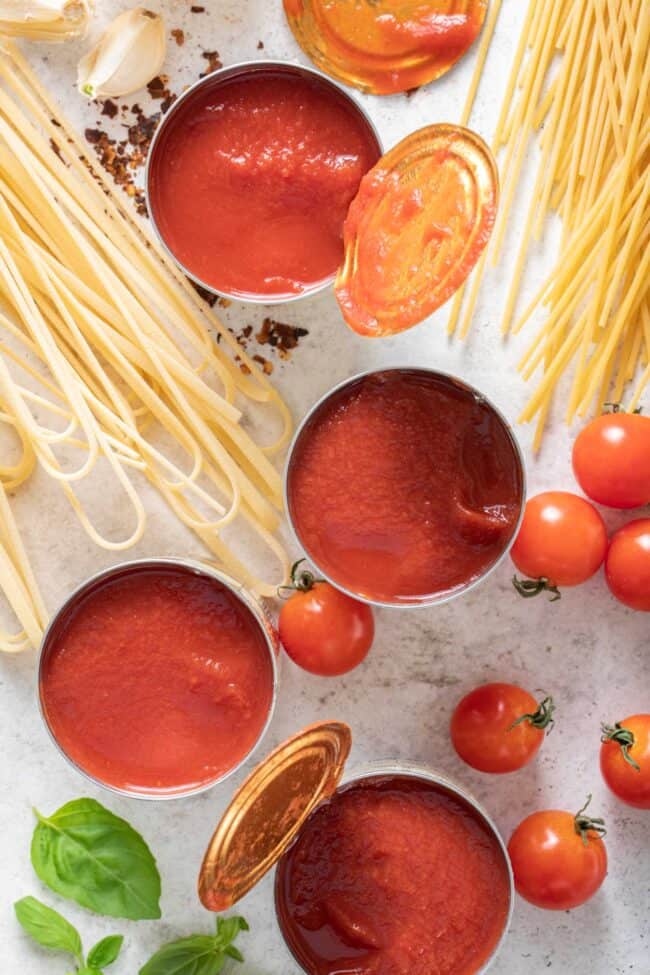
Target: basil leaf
47 926
229 927
87 854
105 951
233 952
197 955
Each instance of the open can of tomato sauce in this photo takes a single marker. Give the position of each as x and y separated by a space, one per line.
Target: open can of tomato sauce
250 177
394 870
158 677
405 487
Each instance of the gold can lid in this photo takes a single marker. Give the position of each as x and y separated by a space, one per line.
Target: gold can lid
268 811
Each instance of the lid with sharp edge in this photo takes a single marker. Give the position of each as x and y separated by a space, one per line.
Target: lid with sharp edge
269 809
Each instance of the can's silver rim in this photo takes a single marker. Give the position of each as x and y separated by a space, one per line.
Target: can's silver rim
223 74
415 771
426 602
198 567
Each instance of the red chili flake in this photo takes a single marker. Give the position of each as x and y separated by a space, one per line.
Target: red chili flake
197 10
280 336
109 108
267 367
207 296
157 87
56 149
179 36
214 62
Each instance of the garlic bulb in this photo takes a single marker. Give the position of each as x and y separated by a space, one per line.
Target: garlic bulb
127 57
45 20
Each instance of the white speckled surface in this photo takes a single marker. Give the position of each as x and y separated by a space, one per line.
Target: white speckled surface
591 653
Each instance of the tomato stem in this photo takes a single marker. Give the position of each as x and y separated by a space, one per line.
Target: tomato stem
529 588
301 580
585 825
542 718
623 737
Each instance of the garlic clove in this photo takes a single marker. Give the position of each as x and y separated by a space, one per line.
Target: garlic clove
127 57
49 20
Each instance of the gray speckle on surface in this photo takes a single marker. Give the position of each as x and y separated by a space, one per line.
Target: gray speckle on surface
591 653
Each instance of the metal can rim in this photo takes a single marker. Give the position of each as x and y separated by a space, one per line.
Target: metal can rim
196 566
439 600
223 74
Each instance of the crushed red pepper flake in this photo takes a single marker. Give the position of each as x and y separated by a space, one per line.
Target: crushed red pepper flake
109 108
280 336
55 147
197 10
179 36
267 367
207 296
214 62
122 158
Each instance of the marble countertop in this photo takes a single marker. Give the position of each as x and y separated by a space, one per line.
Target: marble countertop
587 650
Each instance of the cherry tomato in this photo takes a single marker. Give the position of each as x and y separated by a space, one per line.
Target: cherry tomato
322 629
628 565
500 727
559 860
611 460
625 759
562 541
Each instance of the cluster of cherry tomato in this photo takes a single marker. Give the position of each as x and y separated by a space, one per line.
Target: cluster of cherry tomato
563 539
558 858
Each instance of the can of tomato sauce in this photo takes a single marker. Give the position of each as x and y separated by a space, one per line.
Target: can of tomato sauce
158 677
250 176
405 487
392 870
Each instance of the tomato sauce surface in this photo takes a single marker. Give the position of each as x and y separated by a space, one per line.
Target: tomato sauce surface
393 876
404 485
158 680
251 180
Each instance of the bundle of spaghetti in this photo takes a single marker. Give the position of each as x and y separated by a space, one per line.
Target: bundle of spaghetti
109 360
580 85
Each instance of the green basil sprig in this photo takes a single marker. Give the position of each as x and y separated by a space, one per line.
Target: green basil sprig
200 954
87 854
49 928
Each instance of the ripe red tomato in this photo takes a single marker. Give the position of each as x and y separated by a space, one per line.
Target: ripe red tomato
322 629
559 860
500 727
562 540
611 460
625 760
628 564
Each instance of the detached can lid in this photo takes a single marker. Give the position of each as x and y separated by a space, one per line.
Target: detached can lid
421 219
384 46
269 810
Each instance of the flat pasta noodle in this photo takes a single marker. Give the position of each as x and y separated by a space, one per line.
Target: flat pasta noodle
107 356
580 87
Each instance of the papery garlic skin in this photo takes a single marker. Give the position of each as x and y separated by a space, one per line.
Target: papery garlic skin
45 20
127 57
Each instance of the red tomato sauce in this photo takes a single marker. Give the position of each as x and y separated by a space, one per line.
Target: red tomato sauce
404 485
393 876
158 680
251 180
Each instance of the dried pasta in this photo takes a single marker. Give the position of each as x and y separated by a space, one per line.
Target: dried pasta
580 86
110 361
